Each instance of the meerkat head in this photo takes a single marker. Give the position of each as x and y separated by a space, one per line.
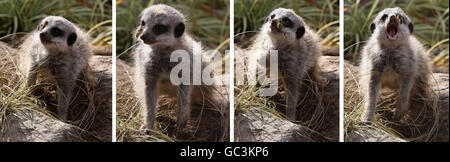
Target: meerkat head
56 32
160 24
391 24
284 23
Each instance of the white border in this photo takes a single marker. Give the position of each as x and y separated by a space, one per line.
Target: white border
231 55
341 71
114 71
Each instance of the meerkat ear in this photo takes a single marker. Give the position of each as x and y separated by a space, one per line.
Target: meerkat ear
71 39
372 27
179 30
300 31
411 28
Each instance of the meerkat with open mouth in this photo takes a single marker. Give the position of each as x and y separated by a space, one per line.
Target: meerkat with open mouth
392 58
59 51
298 52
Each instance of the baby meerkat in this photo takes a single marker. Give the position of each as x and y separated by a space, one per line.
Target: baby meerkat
161 32
58 51
298 51
393 58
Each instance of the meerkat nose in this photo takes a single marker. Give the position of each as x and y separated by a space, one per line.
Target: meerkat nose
393 19
43 37
144 36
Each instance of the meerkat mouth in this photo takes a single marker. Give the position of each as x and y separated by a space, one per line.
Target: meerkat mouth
276 26
392 30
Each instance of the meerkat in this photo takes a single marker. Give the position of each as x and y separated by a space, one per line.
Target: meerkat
298 52
161 32
58 51
392 58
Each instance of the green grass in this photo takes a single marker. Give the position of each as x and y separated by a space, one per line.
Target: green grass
430 19
207 21
19 17
321 16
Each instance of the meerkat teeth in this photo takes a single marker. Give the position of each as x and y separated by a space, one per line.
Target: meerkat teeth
138 33
279 25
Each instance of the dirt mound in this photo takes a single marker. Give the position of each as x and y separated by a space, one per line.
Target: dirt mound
318 110
206 123
426 120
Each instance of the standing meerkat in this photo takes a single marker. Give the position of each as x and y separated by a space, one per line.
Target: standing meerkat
161 32
393 58
298 51
59 51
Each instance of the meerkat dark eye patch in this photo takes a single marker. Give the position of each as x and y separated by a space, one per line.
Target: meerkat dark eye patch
300 32
71 39
272 16
372 27
159 29
56 32
179 30
142 23
287 22
384 17
411 28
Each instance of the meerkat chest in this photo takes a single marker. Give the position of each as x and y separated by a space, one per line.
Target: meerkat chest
397 61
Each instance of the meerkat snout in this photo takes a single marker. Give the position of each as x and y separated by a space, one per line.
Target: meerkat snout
392 29
44 38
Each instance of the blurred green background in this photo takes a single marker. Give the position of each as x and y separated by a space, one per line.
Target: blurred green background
322 16
430 19
206 20
19 17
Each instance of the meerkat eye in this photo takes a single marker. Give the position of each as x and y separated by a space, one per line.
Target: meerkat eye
273 16
400 19
44 25
56 32
286 22
384 17
142 23
159 29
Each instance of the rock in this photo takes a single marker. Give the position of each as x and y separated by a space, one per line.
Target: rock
32 126
371 135
259 126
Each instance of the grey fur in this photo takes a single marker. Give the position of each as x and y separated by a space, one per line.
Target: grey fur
400 64
47 54
297 57
152 61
